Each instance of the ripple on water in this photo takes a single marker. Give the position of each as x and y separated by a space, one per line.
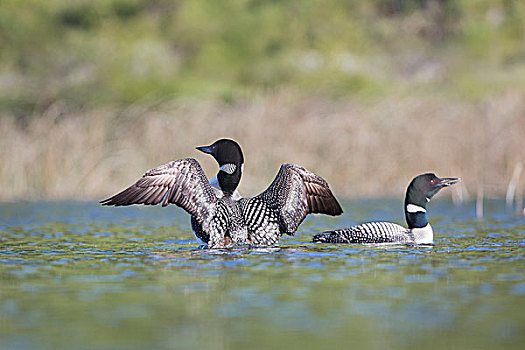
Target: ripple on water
108 278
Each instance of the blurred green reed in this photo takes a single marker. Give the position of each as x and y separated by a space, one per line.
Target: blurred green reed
122 51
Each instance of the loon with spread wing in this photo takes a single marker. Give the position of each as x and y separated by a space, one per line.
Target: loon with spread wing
221 217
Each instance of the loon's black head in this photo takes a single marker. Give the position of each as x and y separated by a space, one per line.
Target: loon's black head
224 151
421 189
228 154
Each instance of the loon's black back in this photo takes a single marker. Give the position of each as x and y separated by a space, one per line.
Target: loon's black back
220 216
282 207
369 232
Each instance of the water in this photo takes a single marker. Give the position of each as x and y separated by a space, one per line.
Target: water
81 276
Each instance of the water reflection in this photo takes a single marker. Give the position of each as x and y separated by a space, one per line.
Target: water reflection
76 273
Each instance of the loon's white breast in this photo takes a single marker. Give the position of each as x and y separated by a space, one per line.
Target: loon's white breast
423 235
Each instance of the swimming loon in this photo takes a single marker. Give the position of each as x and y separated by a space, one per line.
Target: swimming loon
419 231
221 217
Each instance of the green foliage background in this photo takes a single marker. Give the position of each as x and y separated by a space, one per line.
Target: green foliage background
122 51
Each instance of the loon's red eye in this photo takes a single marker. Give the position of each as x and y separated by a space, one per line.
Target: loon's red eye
432 181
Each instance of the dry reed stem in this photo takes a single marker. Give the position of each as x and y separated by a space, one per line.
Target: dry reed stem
362 149
513 185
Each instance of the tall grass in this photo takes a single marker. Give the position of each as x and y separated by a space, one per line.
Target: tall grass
368 148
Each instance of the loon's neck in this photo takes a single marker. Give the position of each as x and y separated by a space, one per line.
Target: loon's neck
415 207
416 218
229 177
214 182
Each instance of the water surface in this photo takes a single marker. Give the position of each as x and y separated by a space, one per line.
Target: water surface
80 276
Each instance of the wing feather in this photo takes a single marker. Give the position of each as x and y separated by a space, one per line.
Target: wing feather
296 192
180 182
155 196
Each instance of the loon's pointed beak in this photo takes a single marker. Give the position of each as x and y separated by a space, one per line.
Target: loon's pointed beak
448 181
205 149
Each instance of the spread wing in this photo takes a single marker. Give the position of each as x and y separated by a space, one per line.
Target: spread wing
296 192
181 182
